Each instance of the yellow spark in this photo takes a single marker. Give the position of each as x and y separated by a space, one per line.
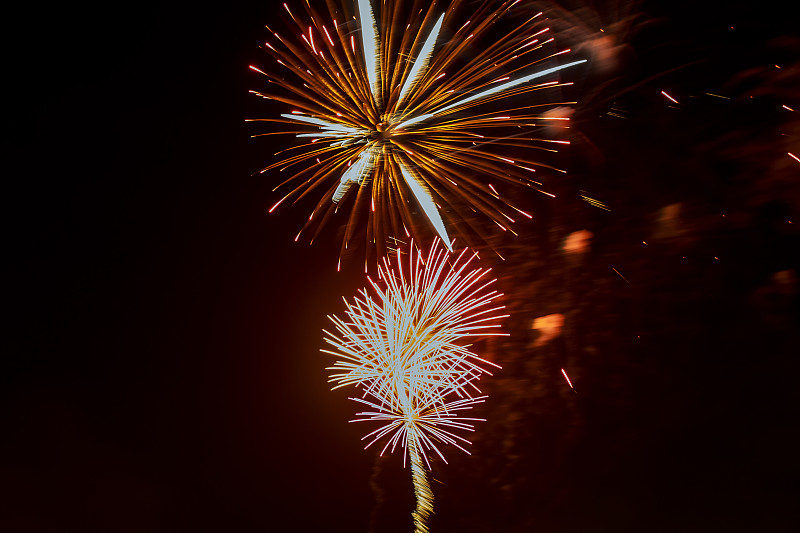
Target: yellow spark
594 202
620 275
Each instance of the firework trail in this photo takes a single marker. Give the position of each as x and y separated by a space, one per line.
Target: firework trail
399 121
403 345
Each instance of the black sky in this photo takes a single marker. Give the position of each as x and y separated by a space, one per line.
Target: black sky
162 369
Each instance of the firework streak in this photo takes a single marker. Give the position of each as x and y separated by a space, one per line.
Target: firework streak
403 344
409 113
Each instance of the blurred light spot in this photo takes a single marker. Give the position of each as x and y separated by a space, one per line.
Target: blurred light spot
549 327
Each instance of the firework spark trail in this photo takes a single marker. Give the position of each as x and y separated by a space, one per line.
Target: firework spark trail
371 43
488 92
423 197
403 345
422 488
669 97
564 372
391 112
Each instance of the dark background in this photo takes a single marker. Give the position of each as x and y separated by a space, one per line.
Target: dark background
161 370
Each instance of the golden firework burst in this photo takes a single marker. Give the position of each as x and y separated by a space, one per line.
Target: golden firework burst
411 129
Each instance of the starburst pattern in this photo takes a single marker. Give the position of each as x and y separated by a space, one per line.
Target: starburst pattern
403 123
404 345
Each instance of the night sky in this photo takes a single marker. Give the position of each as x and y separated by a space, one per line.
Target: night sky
162 369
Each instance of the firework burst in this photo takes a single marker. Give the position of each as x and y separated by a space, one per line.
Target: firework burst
409 129
404 347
